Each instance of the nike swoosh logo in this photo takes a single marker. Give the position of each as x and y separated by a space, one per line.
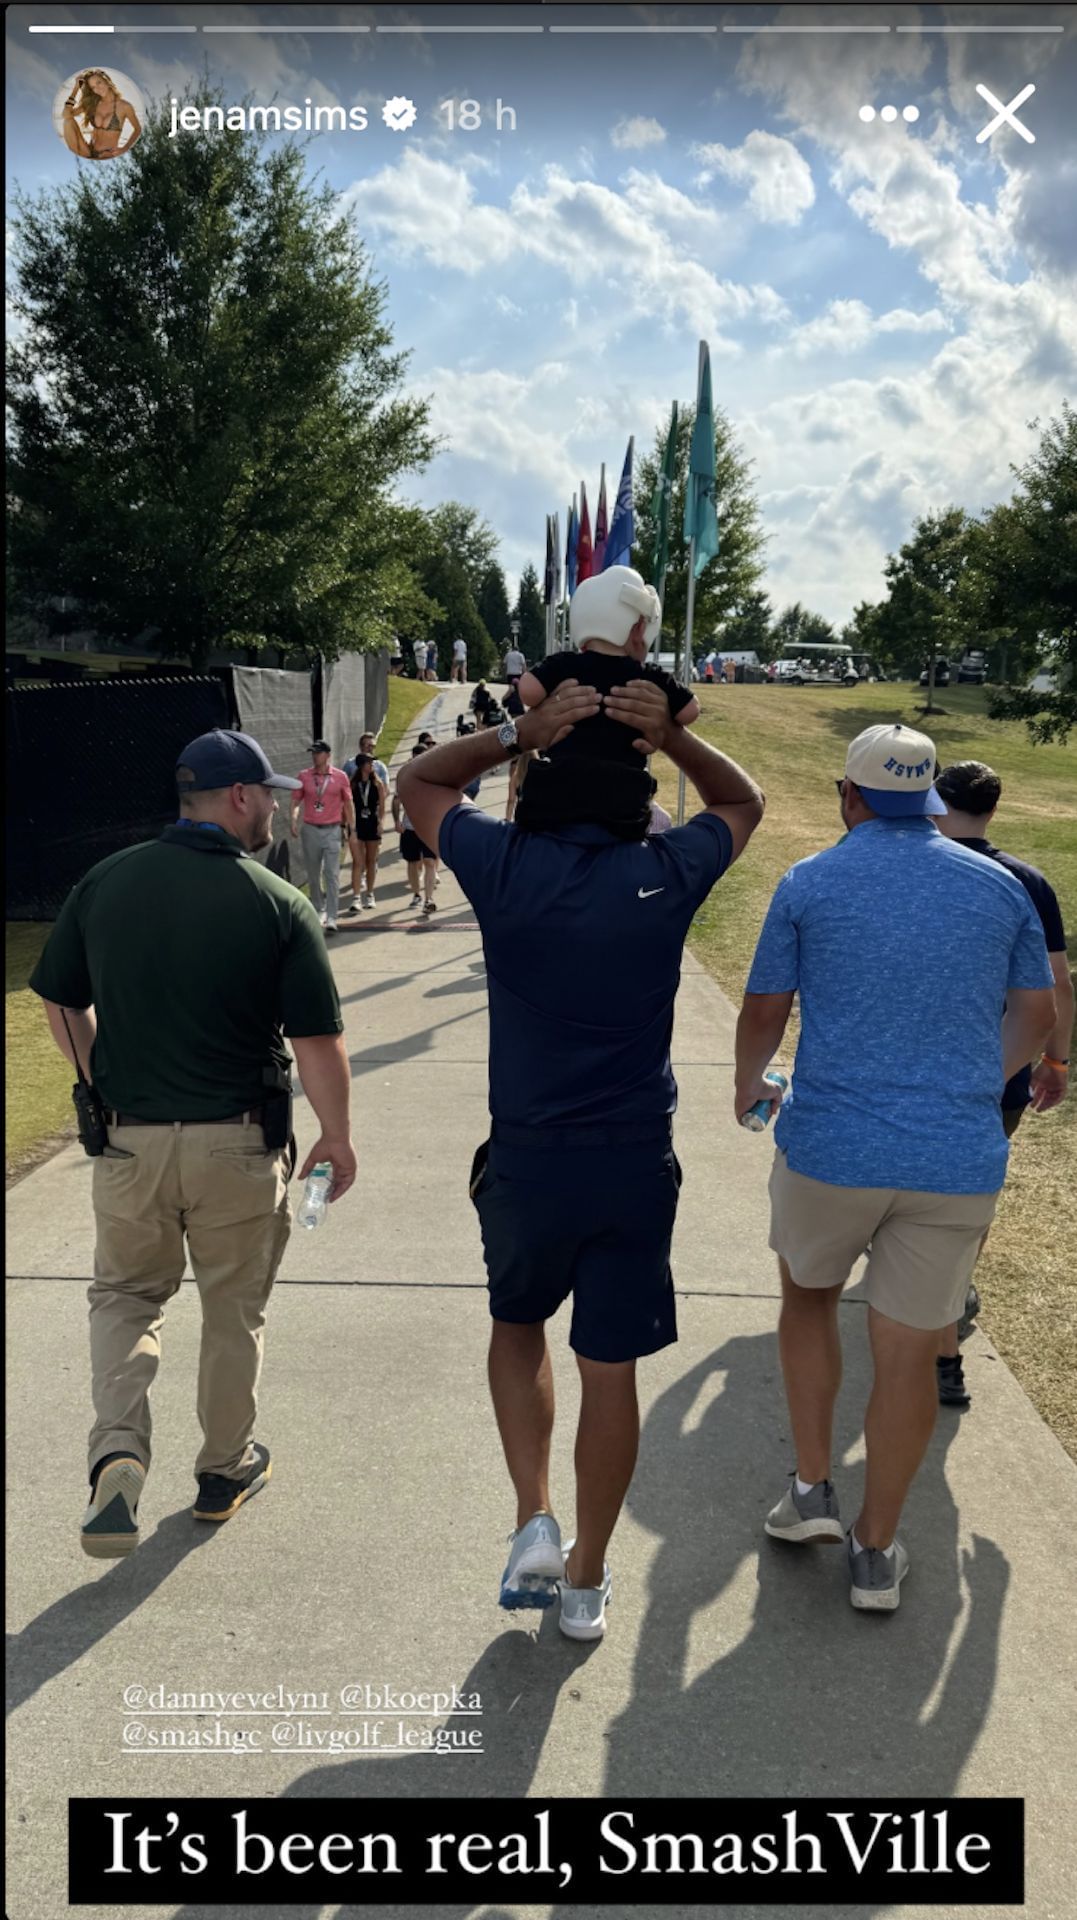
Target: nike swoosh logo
648 892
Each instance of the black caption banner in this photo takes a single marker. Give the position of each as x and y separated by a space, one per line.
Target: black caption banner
651 1852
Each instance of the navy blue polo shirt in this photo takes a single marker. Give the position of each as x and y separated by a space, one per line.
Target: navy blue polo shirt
583 935
1018 1091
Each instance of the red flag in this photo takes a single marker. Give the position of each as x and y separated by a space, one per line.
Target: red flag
601 527
584 549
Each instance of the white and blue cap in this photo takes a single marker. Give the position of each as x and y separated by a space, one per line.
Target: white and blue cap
894 767
220 759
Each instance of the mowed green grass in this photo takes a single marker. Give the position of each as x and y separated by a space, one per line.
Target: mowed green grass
793 741
407 698
38 1082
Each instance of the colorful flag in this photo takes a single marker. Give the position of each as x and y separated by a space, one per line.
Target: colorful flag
571 548
700 509
662 503
622 532
601 527
584 549
558 577
547 585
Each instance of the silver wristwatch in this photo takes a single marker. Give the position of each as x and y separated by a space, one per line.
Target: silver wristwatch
508 738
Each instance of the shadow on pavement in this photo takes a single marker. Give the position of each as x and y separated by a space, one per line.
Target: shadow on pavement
73 1624
519 1677
815 1699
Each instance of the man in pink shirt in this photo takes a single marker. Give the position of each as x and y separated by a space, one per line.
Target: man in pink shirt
325 805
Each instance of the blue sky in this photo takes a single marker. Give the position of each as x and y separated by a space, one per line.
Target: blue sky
888 305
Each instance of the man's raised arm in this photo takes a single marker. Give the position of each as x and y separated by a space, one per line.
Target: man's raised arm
432 784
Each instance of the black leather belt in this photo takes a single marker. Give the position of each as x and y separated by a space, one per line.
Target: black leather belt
255 1115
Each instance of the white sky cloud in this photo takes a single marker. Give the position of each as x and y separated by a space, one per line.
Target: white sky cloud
631 241
640 131
778 178
848 326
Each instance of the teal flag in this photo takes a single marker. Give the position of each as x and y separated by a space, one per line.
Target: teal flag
700 507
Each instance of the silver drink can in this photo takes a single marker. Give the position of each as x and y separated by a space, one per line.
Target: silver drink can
757 1118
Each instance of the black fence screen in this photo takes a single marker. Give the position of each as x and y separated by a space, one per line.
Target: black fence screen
91 769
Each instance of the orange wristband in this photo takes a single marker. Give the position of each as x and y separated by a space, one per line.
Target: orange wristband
1061 1065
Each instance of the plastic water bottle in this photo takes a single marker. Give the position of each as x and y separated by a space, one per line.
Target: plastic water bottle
758 1117
312 1208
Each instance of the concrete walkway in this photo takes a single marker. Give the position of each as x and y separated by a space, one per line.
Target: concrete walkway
732 1666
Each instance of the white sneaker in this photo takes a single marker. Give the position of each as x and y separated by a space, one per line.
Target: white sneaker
323 919
534 1566
370 901
416 900
583 1609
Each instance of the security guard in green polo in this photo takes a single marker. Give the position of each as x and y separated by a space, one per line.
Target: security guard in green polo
175 969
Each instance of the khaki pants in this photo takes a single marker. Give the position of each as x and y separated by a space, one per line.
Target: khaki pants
230 1195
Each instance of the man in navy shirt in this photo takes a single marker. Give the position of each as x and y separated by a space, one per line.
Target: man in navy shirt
924 984
972 792
584 921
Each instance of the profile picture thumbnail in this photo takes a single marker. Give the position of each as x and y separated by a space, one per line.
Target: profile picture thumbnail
99 113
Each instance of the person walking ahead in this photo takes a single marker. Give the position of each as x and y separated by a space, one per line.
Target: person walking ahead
972 792
583 923
903 948
176 965
324 802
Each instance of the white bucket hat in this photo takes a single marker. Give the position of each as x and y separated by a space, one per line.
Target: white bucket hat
607 606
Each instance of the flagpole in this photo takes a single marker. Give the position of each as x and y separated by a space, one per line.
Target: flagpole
686 655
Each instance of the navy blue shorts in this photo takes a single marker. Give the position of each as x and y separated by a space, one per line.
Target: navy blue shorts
592 1220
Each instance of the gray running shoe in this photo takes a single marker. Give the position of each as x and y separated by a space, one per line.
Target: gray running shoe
583 1609
875 1577
535 1565
972 1307
805 1517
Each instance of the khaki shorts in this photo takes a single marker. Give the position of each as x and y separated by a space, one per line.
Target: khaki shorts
923 1246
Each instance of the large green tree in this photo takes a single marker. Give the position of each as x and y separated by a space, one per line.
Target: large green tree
445 582
207 419
530 611
493 605
726 584
469 537
1026 573
797 626
749 629
924 615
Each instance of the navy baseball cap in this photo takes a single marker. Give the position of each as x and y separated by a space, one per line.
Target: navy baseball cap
220 759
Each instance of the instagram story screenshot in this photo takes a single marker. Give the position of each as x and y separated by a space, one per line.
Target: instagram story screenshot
541 830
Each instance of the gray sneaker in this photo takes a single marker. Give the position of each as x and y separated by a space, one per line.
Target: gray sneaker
875 1577
804 1517
583 1609
535 1565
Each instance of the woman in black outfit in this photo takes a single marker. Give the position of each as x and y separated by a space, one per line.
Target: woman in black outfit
481 702
369 796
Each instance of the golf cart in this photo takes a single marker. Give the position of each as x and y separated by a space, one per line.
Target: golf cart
942 673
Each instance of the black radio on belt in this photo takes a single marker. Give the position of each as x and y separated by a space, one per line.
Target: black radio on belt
89 1108
277 1107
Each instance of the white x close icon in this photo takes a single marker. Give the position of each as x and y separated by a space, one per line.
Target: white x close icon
1006 114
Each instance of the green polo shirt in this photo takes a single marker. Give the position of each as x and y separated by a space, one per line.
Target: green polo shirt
196 960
